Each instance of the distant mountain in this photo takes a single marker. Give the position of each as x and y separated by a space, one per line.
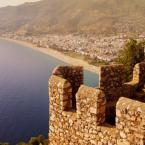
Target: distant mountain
65 16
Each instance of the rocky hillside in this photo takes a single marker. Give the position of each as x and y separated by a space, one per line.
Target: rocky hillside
87 16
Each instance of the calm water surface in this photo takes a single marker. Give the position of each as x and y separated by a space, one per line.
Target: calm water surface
24 77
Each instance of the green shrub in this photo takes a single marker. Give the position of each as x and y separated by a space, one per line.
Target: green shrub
132 53
40 140
22 143
4 143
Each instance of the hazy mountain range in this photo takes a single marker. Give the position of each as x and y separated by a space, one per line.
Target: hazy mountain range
65 16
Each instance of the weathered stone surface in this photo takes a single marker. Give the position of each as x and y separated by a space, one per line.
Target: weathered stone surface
130 126
74 75
78 113
111 77
91 105
139 74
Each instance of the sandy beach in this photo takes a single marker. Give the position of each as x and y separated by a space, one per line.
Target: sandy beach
58 55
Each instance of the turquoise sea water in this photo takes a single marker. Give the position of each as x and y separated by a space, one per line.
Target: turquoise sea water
24 97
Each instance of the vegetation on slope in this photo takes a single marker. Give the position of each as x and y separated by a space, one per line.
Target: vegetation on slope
84 16
132 53
40 140
4 143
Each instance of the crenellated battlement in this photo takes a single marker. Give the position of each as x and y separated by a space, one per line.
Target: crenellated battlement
107 115
73 76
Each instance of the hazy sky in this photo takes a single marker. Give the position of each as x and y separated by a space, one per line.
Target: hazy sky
14 2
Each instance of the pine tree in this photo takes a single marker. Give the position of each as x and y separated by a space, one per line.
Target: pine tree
132 53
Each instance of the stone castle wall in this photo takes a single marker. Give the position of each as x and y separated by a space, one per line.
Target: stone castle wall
111 83
130 122
107 115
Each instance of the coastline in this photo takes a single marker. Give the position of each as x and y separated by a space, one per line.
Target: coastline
56 54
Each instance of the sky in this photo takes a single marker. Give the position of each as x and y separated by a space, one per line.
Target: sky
4 3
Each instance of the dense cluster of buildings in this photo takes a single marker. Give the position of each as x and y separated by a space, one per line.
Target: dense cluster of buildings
98 48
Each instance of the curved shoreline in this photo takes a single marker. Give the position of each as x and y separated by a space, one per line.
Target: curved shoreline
58 55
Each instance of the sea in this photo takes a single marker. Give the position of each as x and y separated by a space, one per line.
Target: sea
24 100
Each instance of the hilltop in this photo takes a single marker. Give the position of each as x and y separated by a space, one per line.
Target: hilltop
83 16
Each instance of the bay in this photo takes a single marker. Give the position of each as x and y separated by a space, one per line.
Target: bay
24 75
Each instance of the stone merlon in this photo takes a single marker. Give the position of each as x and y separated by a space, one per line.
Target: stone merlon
112 114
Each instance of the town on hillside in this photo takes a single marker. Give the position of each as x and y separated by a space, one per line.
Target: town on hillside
94 47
